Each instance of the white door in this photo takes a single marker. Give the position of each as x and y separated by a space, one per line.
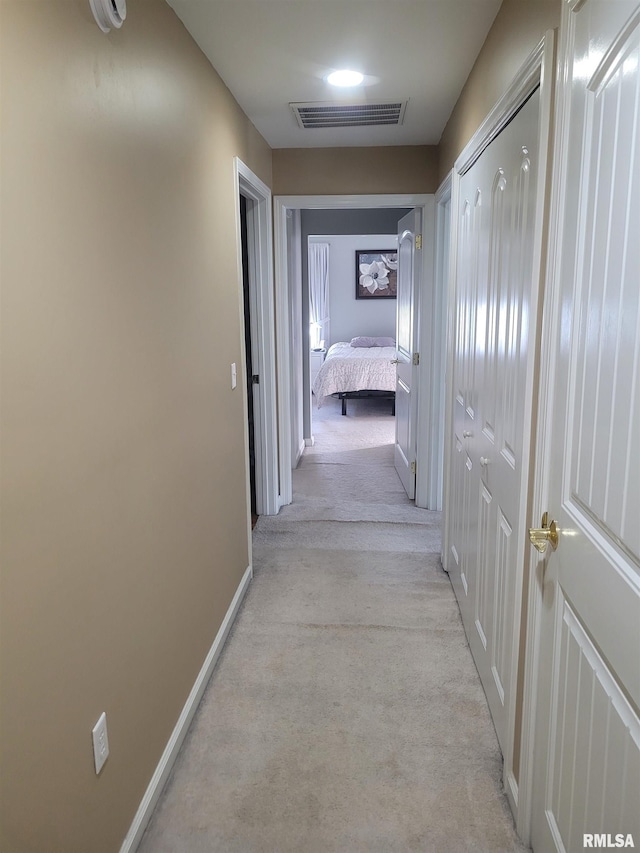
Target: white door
495 333
409 266
587 748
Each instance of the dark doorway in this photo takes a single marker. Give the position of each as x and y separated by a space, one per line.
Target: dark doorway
249 360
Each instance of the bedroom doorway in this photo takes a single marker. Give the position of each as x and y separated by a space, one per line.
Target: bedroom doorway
430 335
351 385
342 312
337 243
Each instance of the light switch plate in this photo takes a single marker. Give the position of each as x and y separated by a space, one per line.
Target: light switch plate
100 742
234 376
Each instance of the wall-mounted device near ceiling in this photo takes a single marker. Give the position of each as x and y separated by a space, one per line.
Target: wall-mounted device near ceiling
318 114
109 13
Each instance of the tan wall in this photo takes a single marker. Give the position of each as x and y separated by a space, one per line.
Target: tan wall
124 532
517 29
355 171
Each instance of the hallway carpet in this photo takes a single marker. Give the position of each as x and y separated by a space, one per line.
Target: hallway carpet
345 714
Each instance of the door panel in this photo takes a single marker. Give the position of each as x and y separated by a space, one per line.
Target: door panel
495 331
408 286
594 771
587 768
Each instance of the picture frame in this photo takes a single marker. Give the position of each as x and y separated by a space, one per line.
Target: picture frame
377 274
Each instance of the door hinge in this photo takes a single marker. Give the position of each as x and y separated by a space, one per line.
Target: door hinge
416 359
413 467
418 241
255 379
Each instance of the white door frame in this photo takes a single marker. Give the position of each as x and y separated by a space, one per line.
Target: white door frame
260 274
451 297
442 265
283 335
538 70
540 475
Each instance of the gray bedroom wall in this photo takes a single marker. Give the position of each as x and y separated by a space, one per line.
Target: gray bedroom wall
361 221
382 220
350 316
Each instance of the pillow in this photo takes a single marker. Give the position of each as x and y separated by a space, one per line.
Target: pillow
364 341
385 342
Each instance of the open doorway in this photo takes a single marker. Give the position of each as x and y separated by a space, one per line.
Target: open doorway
250 376
428 341
347 237
255 264
352 392
432 332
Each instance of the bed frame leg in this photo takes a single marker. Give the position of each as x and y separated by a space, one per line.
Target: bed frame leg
344 405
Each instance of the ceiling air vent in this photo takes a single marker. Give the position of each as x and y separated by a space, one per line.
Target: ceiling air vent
331 114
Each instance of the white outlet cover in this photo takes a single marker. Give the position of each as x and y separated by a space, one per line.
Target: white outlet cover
234 376
100 742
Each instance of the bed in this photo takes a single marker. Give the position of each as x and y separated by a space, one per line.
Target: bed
351 371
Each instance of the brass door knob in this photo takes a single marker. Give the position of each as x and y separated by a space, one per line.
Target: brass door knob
548 533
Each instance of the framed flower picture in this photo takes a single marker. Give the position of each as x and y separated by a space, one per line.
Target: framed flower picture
377 274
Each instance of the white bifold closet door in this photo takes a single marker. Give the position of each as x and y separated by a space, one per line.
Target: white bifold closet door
495 316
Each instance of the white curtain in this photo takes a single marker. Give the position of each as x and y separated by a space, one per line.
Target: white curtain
318 293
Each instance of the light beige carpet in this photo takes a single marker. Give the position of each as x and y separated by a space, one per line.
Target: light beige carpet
345 713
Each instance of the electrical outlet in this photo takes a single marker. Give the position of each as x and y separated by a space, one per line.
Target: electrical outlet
100 742
234 376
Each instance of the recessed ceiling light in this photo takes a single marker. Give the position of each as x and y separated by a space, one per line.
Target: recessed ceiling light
345 78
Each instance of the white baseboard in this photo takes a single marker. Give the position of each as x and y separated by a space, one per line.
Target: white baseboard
159 778
309 442
511 790
300 452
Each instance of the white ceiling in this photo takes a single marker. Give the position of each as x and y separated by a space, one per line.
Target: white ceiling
273 52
